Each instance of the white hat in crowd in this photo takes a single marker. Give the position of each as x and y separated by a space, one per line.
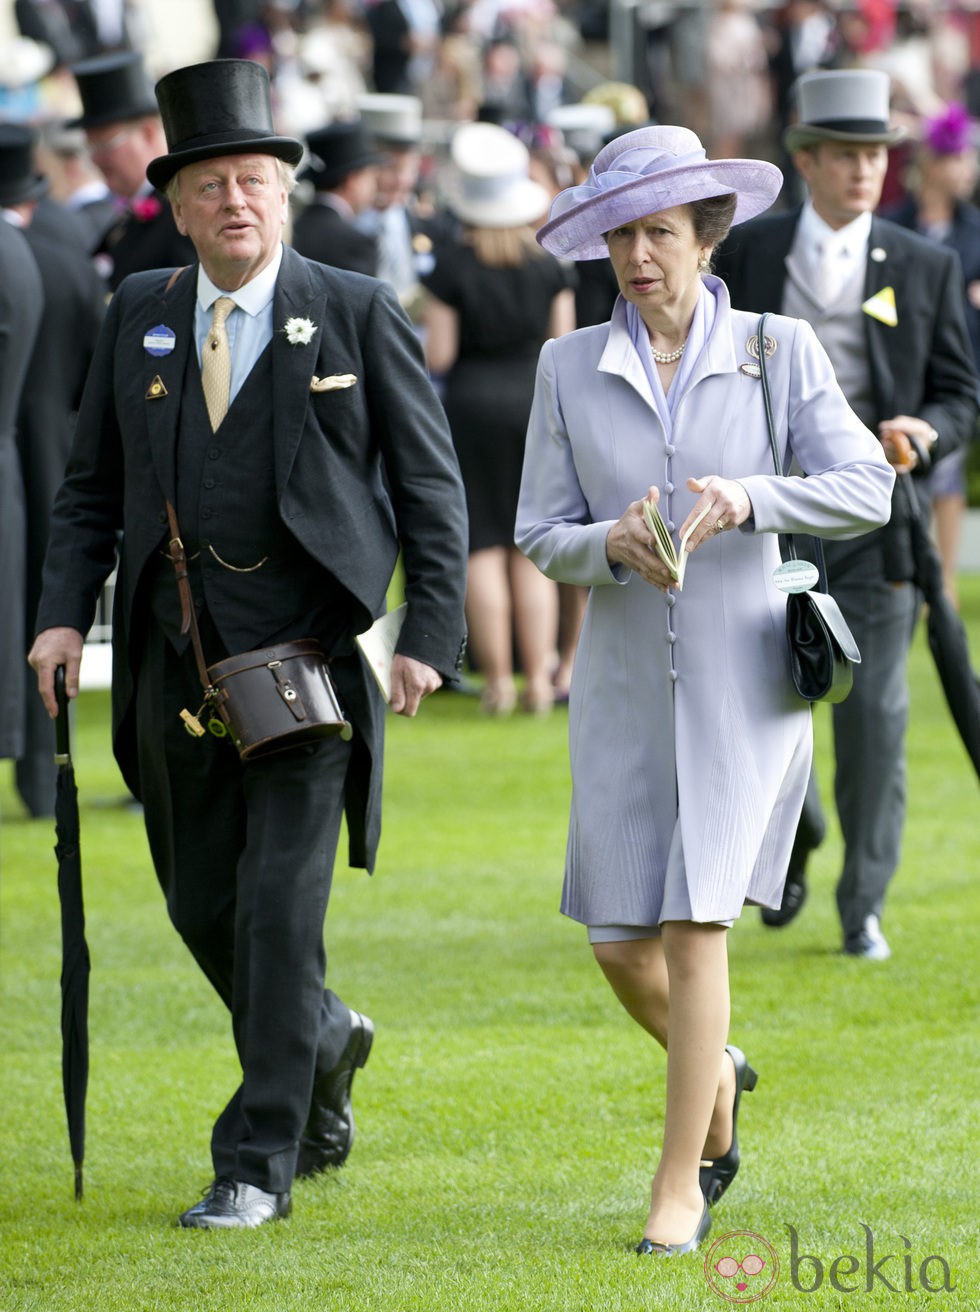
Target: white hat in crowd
488 184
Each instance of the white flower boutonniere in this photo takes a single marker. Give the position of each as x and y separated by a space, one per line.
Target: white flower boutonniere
299 332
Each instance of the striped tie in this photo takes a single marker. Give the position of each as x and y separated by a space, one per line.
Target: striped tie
216 363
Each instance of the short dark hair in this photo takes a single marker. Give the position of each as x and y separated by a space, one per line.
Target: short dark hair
712 218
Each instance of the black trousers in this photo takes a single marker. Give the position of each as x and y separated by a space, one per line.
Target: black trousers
244 853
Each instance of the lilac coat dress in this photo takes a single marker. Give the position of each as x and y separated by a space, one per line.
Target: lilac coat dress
683 716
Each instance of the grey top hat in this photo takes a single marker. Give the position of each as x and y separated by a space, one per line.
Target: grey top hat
113 88
849 104
19 180
392 119
222 107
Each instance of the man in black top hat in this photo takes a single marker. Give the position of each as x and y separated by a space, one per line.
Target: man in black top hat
343 170
296 483
71 304
124 132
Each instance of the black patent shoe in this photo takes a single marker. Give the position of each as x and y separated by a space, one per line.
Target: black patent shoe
794 895
234 1205
718 1175
651 1248
326 1141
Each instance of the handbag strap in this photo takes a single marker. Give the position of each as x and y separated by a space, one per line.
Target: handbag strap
777 463
188 616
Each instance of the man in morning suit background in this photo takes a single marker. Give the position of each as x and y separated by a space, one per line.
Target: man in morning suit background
21 307
333 454
124 133
70 305
343 171
888 307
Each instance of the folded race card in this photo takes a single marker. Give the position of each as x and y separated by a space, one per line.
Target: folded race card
676 561
378 646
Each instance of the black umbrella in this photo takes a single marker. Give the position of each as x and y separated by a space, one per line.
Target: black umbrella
74 950
947 637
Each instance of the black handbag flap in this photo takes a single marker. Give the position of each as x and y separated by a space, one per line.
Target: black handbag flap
831 615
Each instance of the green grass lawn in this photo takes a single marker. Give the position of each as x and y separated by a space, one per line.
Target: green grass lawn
510 1116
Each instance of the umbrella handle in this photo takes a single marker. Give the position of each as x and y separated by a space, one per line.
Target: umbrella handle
62 748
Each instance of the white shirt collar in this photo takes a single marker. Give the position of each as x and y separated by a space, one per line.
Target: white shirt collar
816 235
253 297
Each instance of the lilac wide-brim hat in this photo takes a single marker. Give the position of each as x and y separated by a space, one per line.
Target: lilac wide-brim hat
644 172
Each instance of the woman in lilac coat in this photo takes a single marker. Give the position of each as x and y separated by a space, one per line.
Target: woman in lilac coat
690 748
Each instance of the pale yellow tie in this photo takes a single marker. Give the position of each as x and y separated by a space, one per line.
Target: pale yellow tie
216 363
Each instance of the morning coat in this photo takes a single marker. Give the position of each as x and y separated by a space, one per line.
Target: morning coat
21 307
682 707
361 471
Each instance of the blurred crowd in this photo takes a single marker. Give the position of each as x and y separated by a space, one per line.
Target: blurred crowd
725 68
380 91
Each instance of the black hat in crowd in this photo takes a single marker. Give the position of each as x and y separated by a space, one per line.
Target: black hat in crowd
336 151
19 181
114 89
222 107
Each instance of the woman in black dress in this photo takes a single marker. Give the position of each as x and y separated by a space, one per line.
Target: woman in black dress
495 297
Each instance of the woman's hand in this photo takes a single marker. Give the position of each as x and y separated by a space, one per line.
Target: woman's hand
727 503
629 542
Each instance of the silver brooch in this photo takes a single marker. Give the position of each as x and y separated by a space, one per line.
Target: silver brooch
752 346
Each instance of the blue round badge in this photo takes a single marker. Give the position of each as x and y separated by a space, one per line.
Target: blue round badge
160 340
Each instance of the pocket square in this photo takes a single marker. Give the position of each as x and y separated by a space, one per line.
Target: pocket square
332 383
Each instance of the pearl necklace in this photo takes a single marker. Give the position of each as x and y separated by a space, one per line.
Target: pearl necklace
668 357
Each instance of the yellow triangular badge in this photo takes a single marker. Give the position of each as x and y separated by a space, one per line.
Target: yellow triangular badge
881 306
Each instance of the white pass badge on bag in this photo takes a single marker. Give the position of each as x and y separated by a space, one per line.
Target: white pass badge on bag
795 576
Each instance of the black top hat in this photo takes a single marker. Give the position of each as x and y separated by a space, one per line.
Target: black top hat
113 88
219 108
18 179
336 151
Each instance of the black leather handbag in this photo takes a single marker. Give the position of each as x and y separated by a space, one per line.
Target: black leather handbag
822 650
